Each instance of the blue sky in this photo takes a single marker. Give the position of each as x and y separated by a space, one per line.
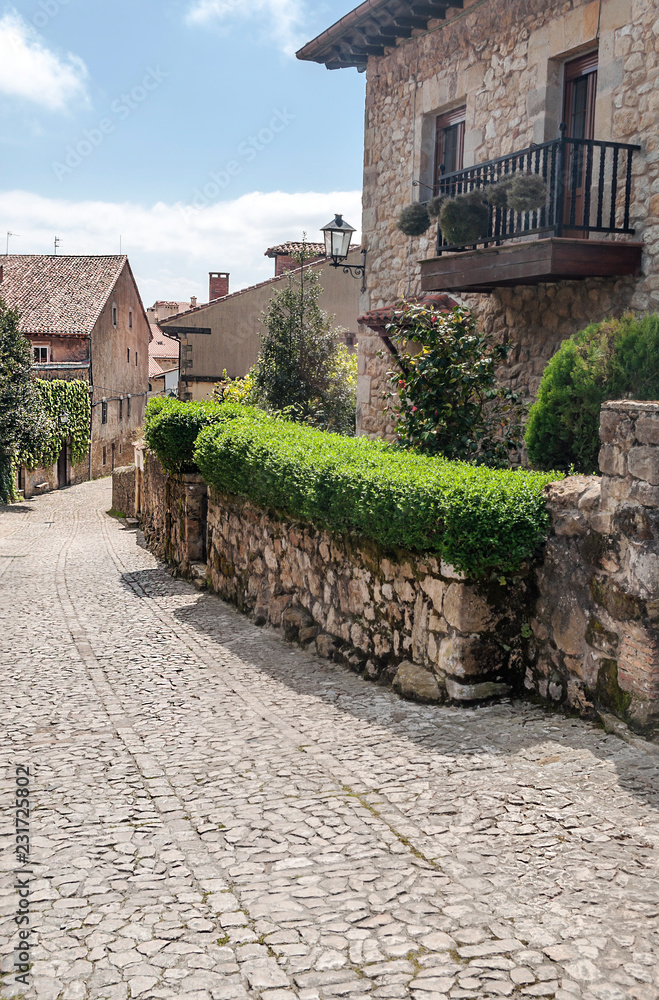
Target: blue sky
187 127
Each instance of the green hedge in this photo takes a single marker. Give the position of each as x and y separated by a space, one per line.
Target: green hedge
483 521
171 427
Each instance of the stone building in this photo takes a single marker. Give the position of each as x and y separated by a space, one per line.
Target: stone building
85 320
225 333
459 96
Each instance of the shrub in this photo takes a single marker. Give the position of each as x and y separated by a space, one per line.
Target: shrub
465 219
171 427
616 359
414 220
517 192
480 520
235 390
445 397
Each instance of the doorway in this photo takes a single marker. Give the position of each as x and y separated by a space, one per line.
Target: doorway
62 467
579 95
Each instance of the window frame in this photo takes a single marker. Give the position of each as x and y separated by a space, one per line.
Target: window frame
40 347
444 123
104 411
115 315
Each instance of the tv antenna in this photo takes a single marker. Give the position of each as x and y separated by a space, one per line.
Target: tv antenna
57 243
9 233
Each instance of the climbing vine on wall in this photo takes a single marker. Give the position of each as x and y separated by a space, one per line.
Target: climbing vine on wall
67 409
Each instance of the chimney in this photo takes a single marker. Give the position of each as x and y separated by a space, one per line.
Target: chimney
193 301
2 273
218 284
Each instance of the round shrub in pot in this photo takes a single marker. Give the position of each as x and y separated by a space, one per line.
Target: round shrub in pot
464 220
414 220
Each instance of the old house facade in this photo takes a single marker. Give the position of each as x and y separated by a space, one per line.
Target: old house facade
85 320
225 333
459 96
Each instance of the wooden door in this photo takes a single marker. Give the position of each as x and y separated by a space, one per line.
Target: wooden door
580 90
449 144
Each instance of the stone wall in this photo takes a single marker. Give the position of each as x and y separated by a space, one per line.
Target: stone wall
372 609
580 628
503 60
123 490
596 626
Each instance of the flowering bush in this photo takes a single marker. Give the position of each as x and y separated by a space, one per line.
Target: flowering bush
445 396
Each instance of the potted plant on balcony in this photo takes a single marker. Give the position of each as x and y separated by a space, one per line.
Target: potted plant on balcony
414 220
517 193
465 219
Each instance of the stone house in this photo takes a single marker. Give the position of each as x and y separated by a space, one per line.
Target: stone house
85 320
460 95
225 333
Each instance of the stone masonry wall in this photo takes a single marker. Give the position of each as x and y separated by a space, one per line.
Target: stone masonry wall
392 616
580 628
503 60
596 625
123 490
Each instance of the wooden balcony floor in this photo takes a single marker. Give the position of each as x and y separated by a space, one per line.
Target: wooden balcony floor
530 263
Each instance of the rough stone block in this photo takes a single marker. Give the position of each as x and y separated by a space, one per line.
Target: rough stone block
326 645
459 656
647 429
569 626
465 609
415 683
435 590
476 692
612 461
643 463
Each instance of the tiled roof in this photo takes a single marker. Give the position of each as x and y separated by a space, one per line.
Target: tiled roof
154 368
286 249
377 319
160 345
58 295
268 281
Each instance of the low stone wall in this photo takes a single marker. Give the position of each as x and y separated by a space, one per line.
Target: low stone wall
580 628
123 490
596 626
370 608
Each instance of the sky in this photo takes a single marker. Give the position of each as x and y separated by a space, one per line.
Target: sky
183 132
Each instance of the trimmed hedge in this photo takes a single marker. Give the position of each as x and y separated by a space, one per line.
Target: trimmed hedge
483 521
171 427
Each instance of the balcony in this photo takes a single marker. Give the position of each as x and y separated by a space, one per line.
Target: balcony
580 229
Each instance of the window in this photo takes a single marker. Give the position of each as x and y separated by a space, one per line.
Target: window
579 93
121 448
40 354
128 355
114 315
128 408
121 409
579 97
105 455
449 143
130 319
136 359
104 413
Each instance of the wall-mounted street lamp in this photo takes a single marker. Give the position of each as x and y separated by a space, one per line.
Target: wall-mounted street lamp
338 234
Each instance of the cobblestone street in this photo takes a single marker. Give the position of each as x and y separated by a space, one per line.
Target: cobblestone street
218 815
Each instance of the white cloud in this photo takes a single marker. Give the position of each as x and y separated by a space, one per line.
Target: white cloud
172 247
30 70
283 18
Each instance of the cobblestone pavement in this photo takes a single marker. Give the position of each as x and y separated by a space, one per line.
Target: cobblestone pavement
219 815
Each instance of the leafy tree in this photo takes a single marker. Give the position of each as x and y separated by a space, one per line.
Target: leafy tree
302 371
616 359
21 418
445 396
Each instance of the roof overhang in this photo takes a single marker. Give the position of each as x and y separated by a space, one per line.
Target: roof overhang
371 29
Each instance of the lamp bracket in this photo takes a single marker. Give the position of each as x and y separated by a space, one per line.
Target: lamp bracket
354 270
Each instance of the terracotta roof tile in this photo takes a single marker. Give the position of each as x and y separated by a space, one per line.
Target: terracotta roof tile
286 249
58 295
160 345
377 319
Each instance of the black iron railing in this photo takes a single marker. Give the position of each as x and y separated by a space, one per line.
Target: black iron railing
588 187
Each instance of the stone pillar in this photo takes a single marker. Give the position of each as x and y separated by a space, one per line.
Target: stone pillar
193 521
629 509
